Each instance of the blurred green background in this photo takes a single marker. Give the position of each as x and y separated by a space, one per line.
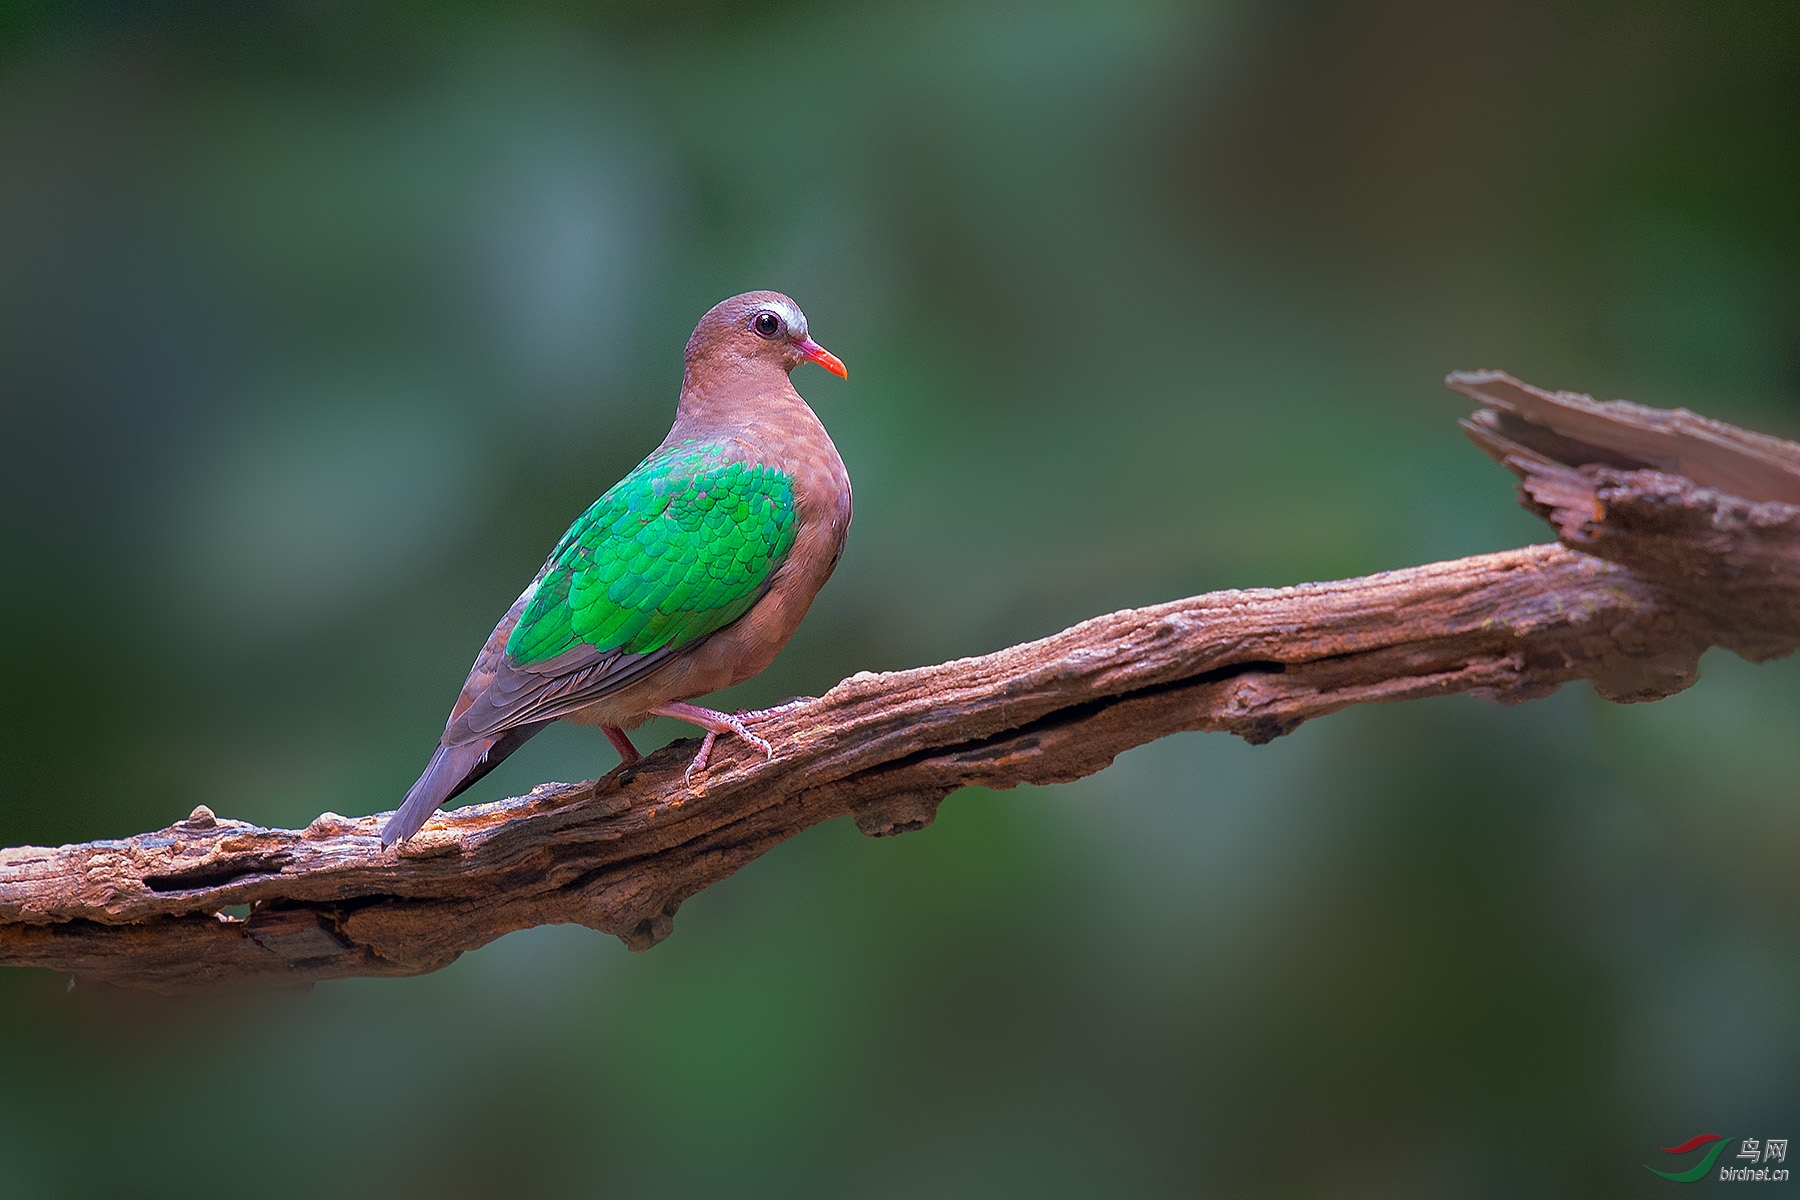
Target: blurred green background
319 322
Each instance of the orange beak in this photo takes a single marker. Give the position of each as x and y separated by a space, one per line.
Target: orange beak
823 357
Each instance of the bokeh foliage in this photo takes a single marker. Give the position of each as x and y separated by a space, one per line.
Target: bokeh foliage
318 322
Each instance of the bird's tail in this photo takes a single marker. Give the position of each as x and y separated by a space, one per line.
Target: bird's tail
452 770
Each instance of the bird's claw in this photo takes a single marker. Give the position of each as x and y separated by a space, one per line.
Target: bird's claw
761 743
716 723
730 724
699 764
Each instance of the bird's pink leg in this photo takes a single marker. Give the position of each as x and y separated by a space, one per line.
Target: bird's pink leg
628 753
714 723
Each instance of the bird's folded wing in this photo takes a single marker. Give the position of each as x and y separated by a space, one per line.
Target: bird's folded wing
677 550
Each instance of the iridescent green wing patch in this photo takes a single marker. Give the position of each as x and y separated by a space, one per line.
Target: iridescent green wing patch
682 546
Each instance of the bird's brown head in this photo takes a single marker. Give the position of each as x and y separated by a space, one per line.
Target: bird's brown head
756 329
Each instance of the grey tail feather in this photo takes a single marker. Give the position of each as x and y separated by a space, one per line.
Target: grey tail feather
451 771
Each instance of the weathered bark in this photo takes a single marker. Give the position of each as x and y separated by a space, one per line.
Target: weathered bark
1665 566
1708 511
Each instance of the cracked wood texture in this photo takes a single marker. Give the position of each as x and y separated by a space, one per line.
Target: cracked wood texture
1678 533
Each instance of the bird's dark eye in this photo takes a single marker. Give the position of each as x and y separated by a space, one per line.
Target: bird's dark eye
766 324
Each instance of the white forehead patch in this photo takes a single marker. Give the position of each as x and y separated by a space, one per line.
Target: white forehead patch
792 317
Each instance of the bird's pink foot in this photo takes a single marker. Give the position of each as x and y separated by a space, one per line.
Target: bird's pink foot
714 723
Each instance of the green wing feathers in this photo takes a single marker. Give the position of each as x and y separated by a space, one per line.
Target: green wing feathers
682 546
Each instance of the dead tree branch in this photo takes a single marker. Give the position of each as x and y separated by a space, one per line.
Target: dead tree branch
1678 534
